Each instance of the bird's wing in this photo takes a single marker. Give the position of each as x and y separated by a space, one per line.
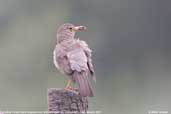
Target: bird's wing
88 54
61 61
77 59
78 63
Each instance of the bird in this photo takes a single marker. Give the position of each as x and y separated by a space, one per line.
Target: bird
73 58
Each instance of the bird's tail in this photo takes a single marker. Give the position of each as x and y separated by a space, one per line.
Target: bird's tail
82 80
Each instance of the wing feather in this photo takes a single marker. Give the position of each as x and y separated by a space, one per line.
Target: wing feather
88 52
78 60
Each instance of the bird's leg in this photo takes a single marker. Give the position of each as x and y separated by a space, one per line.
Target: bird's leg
68 86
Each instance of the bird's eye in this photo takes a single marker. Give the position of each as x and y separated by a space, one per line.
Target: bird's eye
70 28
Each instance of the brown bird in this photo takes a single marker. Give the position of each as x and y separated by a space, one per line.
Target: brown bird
72 57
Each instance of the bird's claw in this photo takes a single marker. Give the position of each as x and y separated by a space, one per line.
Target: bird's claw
69 88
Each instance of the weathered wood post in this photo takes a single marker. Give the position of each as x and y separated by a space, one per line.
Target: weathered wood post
62 101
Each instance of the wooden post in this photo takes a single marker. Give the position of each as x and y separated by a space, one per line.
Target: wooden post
66 102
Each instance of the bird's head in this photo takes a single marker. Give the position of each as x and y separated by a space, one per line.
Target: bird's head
67 31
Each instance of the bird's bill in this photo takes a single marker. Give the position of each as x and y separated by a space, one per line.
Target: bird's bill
77 28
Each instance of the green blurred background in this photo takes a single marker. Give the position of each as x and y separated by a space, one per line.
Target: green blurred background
131 52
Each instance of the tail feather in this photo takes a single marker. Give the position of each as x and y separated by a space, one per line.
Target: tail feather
83 84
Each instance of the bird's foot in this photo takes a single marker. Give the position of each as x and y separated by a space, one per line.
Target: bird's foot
68 88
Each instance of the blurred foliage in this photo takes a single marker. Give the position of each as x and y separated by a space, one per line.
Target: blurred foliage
131 52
